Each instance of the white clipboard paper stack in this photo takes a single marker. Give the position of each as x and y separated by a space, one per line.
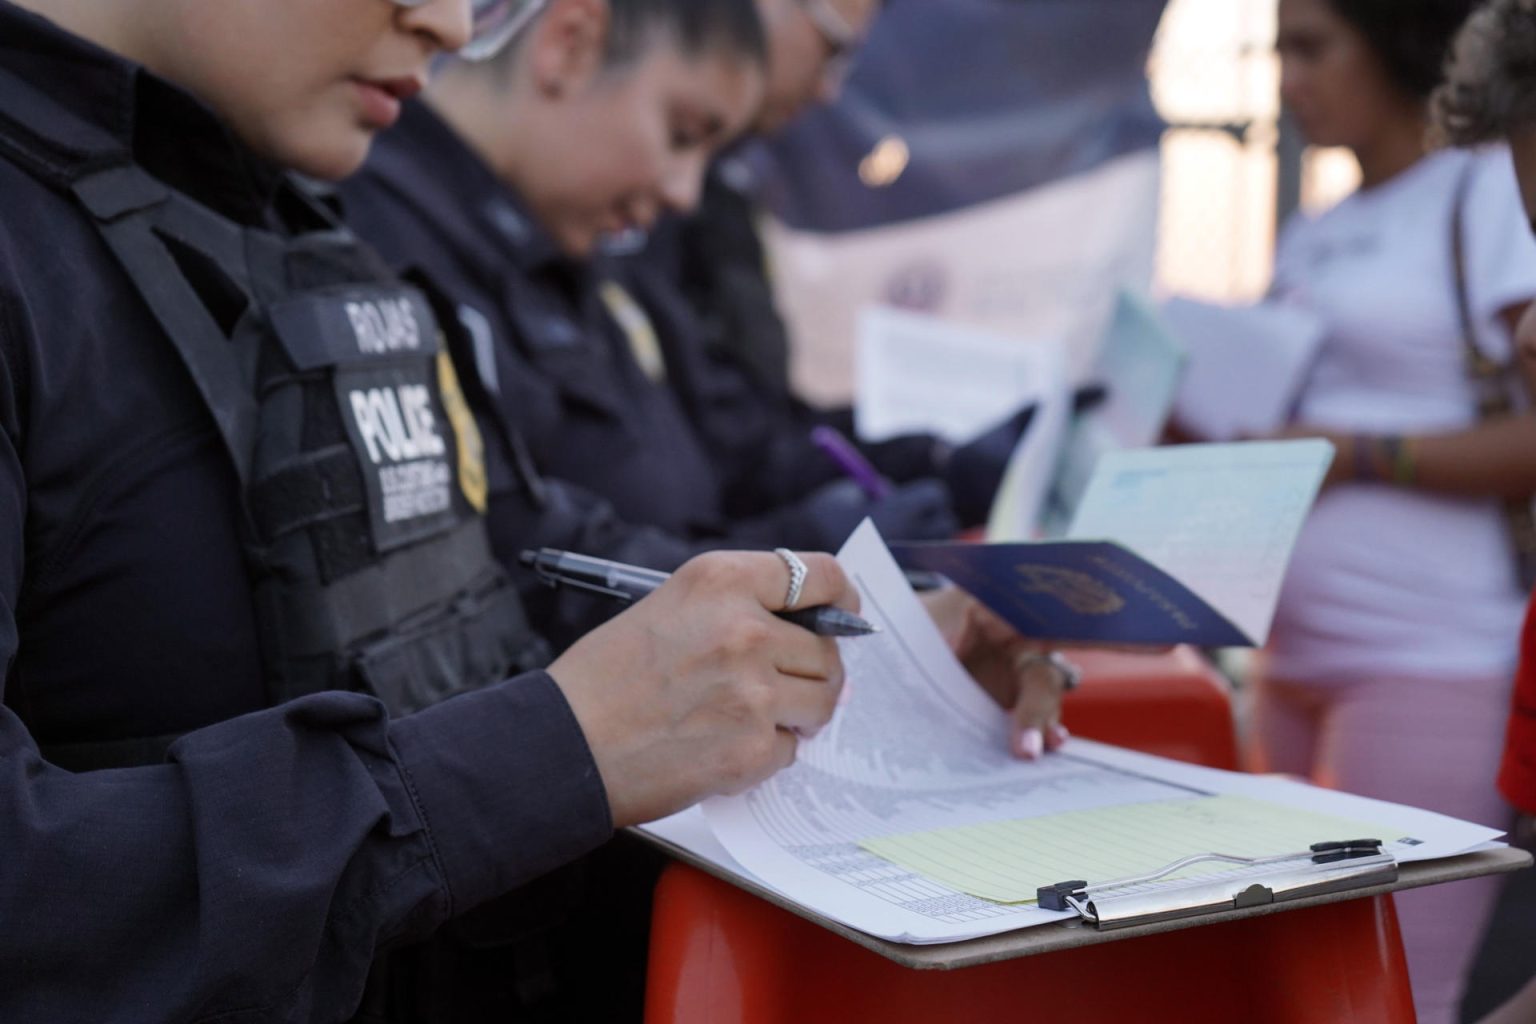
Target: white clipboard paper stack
889 816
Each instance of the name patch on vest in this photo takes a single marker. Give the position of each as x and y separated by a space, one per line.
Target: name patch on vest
381 347
384 326
355 326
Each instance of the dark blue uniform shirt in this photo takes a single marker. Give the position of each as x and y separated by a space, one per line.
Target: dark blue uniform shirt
714 261
255 874
422 207
560 367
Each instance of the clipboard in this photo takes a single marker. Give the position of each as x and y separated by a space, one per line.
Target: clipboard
1327 867
1075 933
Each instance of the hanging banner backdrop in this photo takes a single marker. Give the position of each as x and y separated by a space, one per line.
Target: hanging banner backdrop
994 162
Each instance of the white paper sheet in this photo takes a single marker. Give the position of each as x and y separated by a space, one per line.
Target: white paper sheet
920 373
1140 364
1246 366
916 744
1220 518
1022 493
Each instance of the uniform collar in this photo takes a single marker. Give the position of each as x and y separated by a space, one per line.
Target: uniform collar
430 166
170 133
737 168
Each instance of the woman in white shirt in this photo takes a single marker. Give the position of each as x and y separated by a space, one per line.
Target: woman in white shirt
1389 667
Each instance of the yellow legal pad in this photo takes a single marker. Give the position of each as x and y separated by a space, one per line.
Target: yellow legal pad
1006 861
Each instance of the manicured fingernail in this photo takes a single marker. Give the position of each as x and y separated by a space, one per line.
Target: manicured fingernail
1031 743
1059 734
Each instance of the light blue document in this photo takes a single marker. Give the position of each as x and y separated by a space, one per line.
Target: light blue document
1181 544
1220 518
1140 366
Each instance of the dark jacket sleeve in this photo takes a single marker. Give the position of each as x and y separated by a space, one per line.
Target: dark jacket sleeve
759 443
718 261
571 519
254 874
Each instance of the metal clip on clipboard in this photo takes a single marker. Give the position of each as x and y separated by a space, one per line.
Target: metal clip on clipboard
1325 868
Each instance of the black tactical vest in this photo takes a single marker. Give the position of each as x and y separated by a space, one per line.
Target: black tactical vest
339 408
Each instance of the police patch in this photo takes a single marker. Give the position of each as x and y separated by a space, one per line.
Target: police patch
398 429
471 445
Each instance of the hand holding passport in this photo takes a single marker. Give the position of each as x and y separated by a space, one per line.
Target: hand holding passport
1182 544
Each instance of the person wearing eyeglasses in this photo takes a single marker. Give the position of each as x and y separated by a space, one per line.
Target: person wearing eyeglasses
812 46
270 707
714 263
511 182
718 258
503 184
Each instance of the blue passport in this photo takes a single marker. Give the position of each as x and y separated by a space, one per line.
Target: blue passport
1078 591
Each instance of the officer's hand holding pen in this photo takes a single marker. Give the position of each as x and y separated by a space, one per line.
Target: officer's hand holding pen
700 689
632 582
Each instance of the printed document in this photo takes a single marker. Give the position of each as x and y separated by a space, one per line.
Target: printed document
1023 492
1221 519
1247 365
1139 366
920 373
916 746
1185 544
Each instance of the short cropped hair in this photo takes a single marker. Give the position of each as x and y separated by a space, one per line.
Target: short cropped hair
1490 83
697 26
732 28
1411 37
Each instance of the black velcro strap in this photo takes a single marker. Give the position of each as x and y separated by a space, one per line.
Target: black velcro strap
181 313
117 191
482 640
320 620
315 487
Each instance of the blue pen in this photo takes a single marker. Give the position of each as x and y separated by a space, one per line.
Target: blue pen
851 461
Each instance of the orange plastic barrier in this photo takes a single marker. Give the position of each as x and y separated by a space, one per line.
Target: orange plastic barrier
1172 704
722 956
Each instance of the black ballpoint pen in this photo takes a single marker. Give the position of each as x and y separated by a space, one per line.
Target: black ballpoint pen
631 583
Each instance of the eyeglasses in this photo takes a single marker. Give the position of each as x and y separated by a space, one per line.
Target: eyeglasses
495 23
839 37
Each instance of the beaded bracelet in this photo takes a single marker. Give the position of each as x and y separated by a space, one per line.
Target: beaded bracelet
1399 457
1369 454
1362 453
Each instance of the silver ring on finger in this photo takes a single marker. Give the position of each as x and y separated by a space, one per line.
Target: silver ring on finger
797 574
1067 673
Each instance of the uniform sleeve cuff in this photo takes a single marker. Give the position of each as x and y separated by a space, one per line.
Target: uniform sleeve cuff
506 784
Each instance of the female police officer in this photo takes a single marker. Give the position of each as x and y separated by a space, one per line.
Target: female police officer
510 182
235 471
503 184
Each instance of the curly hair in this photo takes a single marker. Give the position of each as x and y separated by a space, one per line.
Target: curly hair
1490 82
1411 37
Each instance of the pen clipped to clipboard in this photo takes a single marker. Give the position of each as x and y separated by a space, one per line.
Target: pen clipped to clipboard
1256 881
